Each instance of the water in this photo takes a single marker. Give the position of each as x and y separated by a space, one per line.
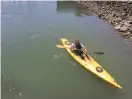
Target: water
32 66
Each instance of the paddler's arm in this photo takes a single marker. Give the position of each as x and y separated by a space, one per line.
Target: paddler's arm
84 47
85 50
72 47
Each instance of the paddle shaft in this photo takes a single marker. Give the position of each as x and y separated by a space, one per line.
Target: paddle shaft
61 46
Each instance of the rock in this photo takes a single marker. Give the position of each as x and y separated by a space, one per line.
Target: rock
130 29
123 28
123 14
118 27
118 19
124 34
127 23
130 35
130 18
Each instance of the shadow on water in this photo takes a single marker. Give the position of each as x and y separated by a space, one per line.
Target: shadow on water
73 7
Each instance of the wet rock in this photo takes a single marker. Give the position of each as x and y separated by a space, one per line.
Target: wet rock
123 28
127 23
124 34
117 27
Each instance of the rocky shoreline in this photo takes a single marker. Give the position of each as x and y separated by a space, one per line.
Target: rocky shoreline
118 13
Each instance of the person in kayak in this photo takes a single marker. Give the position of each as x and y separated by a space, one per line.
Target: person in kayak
79 49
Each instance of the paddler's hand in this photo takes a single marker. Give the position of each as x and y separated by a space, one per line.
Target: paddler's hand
73 49
85 50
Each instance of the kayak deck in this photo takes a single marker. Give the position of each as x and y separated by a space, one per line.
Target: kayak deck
92 66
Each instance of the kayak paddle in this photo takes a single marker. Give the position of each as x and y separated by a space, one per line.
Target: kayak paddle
61 46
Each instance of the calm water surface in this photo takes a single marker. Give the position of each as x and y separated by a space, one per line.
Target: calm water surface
32 66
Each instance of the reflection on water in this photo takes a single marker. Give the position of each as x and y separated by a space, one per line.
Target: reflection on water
21 7
73 7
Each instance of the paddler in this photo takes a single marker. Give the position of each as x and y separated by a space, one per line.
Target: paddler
79 49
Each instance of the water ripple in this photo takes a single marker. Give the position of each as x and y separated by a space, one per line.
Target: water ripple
55 56
10 88
128 41
72 63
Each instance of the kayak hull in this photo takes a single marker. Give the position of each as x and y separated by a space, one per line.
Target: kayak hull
92 66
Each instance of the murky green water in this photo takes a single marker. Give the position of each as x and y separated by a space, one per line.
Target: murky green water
32 66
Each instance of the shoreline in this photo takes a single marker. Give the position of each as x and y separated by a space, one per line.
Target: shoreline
117 13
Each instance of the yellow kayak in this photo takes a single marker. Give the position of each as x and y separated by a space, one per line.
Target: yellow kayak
92 66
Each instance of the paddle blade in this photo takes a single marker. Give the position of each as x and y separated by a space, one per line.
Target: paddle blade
100 53
60 46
